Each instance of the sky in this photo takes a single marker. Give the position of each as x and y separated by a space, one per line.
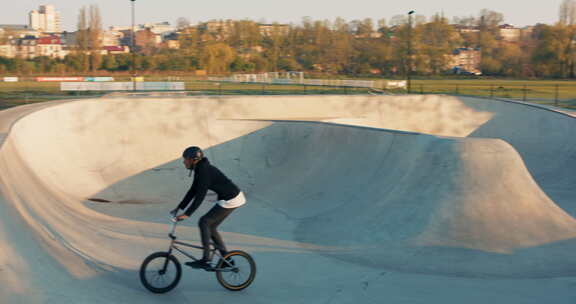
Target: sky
117 12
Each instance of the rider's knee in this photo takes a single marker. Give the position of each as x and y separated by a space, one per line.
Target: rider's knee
205 221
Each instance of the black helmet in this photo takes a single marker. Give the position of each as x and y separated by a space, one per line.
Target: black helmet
193 152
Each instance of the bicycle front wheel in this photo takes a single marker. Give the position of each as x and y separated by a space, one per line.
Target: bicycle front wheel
160 272
237 272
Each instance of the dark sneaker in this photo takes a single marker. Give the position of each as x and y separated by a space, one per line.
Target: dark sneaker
200 264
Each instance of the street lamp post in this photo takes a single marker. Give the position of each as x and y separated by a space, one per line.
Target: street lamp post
132 46
409 59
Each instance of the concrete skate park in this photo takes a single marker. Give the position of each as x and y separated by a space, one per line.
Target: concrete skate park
351 199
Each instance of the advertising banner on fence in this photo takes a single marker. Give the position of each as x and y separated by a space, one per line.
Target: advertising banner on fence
122 86
10 79
58 79
399 84
98 79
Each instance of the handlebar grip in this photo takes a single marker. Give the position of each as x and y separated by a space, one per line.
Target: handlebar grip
175 219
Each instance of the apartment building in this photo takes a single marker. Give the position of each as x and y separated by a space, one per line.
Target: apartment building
45 19
223 27
268 30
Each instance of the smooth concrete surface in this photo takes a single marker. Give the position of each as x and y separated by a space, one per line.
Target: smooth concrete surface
411 199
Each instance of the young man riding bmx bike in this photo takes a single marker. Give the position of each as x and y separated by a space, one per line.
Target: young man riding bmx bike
208 177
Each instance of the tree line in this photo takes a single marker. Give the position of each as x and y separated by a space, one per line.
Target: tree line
356 48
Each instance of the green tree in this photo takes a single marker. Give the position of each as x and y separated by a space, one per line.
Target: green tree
189 39
438 39
555 54
488 25
512 59
242 65
217 58
109 63
275 45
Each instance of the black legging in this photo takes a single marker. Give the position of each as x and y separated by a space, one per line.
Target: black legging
208 224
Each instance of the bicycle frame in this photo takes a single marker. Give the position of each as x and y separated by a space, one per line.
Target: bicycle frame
174 246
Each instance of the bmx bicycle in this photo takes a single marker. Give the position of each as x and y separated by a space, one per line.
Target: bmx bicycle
161 271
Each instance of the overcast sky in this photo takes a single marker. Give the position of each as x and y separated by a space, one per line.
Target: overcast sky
117 12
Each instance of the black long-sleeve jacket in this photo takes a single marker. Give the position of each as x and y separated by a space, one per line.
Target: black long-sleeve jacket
208 177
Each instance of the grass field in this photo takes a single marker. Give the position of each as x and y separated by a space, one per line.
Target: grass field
535 91
560 93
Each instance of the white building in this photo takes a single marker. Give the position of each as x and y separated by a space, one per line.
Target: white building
510 33
46 19
112 38
160 28
8 50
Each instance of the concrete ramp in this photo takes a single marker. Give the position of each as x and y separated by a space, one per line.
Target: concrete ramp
420 185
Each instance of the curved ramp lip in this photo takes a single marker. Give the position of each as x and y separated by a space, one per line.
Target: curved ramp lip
305 121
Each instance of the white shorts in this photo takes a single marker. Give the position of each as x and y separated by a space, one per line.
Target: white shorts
236 202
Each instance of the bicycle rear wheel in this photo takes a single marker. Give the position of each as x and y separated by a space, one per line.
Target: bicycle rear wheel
238 273
160 272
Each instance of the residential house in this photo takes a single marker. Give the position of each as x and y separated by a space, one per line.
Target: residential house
466 61
50 46
171 41
112 38
162 28
510 33
115 49
26 47
8 50
171 44
18 31
464 29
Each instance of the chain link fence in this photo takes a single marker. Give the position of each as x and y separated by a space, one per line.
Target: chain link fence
561 93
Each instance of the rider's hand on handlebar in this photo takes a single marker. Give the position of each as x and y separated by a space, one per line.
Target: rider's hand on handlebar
181 217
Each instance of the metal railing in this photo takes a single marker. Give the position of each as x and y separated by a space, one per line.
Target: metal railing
561 94
554 94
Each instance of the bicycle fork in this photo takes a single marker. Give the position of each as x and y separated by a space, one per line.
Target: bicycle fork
172 240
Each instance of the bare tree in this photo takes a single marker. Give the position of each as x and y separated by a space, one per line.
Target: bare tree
89 38
490 19
182 23
82 40
95 37
465 21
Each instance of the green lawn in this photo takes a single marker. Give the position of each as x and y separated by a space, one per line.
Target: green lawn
544 92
